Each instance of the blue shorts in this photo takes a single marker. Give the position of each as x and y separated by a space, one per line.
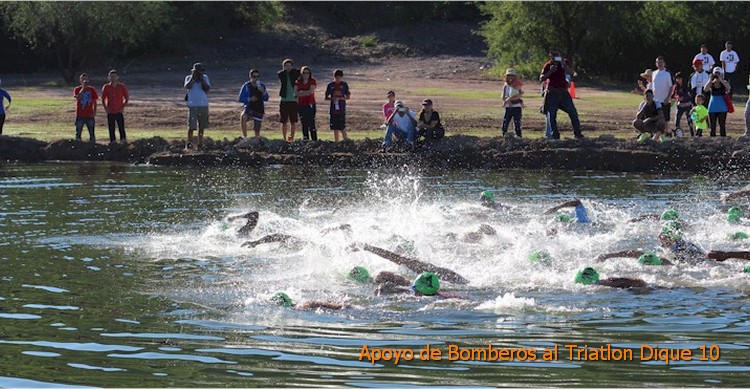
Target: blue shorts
581 216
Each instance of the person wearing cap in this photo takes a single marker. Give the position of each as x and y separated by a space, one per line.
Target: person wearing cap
402 123
557 96
252 222
684 102
114 100
717 106
699 78
253 94
3 96
649 118
390 107
663 87
387 282
288 113
645 82
588 276
580 211
283 300
512 101
706 59
429 125
487 199
197 85
729 60
86 103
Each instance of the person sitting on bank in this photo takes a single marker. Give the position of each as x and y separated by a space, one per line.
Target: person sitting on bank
649 119
589 276
429 125
402 124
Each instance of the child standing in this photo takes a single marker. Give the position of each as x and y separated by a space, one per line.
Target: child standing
512 101
699 115
684 105
338 92
3 95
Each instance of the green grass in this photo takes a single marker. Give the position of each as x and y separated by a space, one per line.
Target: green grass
368 41
494 94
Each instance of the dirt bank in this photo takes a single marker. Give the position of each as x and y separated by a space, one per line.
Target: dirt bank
456 152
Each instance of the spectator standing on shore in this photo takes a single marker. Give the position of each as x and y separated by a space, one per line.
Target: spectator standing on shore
338 93
253 94
645 81
684 102
288 104
114 99
729 60
706 59
3 95
699 115
429 123
699 78
557 96
197 86
86 102
717 106
663 85
304 88
390 107
512 102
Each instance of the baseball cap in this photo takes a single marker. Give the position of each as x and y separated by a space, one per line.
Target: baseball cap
718 70
398 103
199 67
427 102
697 61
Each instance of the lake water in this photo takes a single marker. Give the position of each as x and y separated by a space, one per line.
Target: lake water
130 276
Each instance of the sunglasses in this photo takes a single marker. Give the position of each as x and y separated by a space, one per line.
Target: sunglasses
255 76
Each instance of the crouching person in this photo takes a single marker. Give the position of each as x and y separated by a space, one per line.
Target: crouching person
402 124
429 123
649 120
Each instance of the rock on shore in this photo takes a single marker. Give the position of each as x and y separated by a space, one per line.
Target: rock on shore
455 152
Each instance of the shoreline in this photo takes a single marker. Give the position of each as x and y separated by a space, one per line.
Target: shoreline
604 153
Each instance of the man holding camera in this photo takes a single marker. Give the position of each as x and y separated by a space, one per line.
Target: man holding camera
197 87
557 96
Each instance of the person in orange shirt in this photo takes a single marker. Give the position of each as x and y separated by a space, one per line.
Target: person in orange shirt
114 99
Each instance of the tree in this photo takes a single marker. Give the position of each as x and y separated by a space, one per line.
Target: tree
74 31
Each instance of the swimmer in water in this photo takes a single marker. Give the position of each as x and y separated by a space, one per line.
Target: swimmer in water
667 215
252 222
427 283
291 241
477 236
413 264
487 198
283 300
589 276
580 212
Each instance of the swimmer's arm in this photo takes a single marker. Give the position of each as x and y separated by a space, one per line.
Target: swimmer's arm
277 237
571 203
319 305
250 215
623 283
644 217
416 265
721 255
623 254
737 195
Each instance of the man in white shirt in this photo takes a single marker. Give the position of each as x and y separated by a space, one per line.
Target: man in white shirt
663 86
708 59
197 87
729 60
402 123
698 79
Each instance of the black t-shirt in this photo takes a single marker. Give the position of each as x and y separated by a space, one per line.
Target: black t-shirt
718 91
650 110
434 117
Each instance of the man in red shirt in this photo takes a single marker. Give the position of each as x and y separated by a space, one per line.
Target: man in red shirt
114 99
557 96
86 98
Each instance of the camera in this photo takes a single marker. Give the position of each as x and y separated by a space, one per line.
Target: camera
557 59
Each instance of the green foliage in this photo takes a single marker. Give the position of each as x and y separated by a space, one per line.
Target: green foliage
368 41
74 31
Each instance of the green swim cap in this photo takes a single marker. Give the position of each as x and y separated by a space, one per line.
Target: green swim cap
643 137
560 217
487 194
541 257
672 229
282 299
734 214
670 215
427 283
587 276
746 270
224 226
649 259
360 274
739 236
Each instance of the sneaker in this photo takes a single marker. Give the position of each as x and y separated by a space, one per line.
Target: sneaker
579 136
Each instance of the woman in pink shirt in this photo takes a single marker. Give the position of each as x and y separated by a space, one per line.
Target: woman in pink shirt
389 107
